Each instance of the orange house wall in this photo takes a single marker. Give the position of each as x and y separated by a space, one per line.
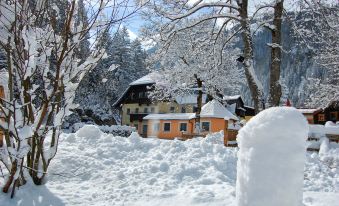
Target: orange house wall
216 125
174 132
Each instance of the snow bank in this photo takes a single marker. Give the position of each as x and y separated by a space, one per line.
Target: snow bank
112 170
116 130
271 158
99 169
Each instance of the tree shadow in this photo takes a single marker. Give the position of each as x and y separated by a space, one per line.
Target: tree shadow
29 195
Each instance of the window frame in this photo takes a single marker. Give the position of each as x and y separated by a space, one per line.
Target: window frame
180 126
163 127
209 126
321 118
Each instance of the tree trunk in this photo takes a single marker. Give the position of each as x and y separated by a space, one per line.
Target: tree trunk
253 83
275 87
199 105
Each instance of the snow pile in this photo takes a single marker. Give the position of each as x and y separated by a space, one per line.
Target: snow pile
272 149
99 169
110 170
116 130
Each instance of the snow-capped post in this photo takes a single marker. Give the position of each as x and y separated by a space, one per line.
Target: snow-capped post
271 157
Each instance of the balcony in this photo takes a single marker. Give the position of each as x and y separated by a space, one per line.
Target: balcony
137 117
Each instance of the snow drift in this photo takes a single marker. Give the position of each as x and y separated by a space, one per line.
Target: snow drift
99 169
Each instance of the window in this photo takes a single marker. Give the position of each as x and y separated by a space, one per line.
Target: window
333 116
172 109
183 110
156 127
136 110
136 126
141 94
205 126
152 109
183 127
132 95
321 117
195 109
167 127
146 110
128 111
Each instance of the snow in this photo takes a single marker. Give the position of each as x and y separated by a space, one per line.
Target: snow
234 97
272 149
321 130
182 116
215 109
148 79
98 169
309 111
189 99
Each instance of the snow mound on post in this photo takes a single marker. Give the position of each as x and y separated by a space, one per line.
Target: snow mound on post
271 158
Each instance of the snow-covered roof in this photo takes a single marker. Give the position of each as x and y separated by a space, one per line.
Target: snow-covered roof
309 111
231 97
148 79
189 99
215 109
170 116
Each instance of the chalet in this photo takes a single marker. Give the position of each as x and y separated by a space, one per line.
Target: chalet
134 104
214 117
322 115
312 115
237 106
330 113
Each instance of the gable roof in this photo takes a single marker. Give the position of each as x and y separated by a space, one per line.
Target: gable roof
309 111
148 79
215 109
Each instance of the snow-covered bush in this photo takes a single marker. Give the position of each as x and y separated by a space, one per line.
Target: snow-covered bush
42 40
271 158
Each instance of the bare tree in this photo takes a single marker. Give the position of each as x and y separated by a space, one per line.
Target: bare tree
170 19
43 72
276 47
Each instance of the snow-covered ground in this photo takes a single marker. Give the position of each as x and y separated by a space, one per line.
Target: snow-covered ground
97 169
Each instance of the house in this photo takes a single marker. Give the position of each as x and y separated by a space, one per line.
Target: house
312 115
134 104
237 106
330 113
214 117
322 115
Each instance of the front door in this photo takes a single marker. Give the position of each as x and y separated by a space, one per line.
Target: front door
144 130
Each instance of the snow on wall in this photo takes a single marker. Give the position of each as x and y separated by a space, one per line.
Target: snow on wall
271 158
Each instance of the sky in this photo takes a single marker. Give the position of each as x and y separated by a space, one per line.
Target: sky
135 23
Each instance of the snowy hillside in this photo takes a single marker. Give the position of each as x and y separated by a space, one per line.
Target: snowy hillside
94 168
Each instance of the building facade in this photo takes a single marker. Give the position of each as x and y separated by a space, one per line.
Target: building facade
134 104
